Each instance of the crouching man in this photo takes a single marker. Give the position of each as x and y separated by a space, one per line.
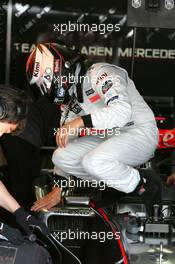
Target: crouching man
104 99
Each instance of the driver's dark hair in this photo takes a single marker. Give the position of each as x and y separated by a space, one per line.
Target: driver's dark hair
13 98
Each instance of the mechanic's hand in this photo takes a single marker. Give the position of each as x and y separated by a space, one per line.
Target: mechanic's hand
64 131
12 234
48 201
26 221
171 179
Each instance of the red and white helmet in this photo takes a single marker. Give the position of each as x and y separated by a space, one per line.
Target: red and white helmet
50 66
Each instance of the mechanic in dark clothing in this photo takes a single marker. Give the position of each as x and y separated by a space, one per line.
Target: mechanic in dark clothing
42 118
13 111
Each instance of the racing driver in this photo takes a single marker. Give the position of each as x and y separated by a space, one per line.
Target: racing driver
104 99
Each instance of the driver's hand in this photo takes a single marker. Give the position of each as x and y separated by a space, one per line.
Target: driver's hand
50 200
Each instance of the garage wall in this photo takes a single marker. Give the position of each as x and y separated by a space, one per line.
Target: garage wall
36 22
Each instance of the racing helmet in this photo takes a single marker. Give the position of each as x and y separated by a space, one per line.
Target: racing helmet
52 68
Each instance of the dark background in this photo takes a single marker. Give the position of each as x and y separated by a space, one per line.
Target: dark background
153 76
33 22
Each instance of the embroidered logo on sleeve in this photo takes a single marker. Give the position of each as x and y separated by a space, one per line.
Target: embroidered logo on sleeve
112 99
106 86
95 98
75 107
89 92
101 78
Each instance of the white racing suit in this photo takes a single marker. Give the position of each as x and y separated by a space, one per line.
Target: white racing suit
111 102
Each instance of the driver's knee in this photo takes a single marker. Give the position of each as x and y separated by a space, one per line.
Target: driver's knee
61 158
94 164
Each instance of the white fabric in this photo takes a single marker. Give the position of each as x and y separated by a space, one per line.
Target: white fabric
111 159
125 104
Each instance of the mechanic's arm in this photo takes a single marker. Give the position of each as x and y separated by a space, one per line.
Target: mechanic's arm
23 218
6 200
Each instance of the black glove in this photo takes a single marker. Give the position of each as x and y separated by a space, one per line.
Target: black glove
26 220
12 234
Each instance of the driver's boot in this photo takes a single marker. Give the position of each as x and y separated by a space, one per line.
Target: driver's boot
149 189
